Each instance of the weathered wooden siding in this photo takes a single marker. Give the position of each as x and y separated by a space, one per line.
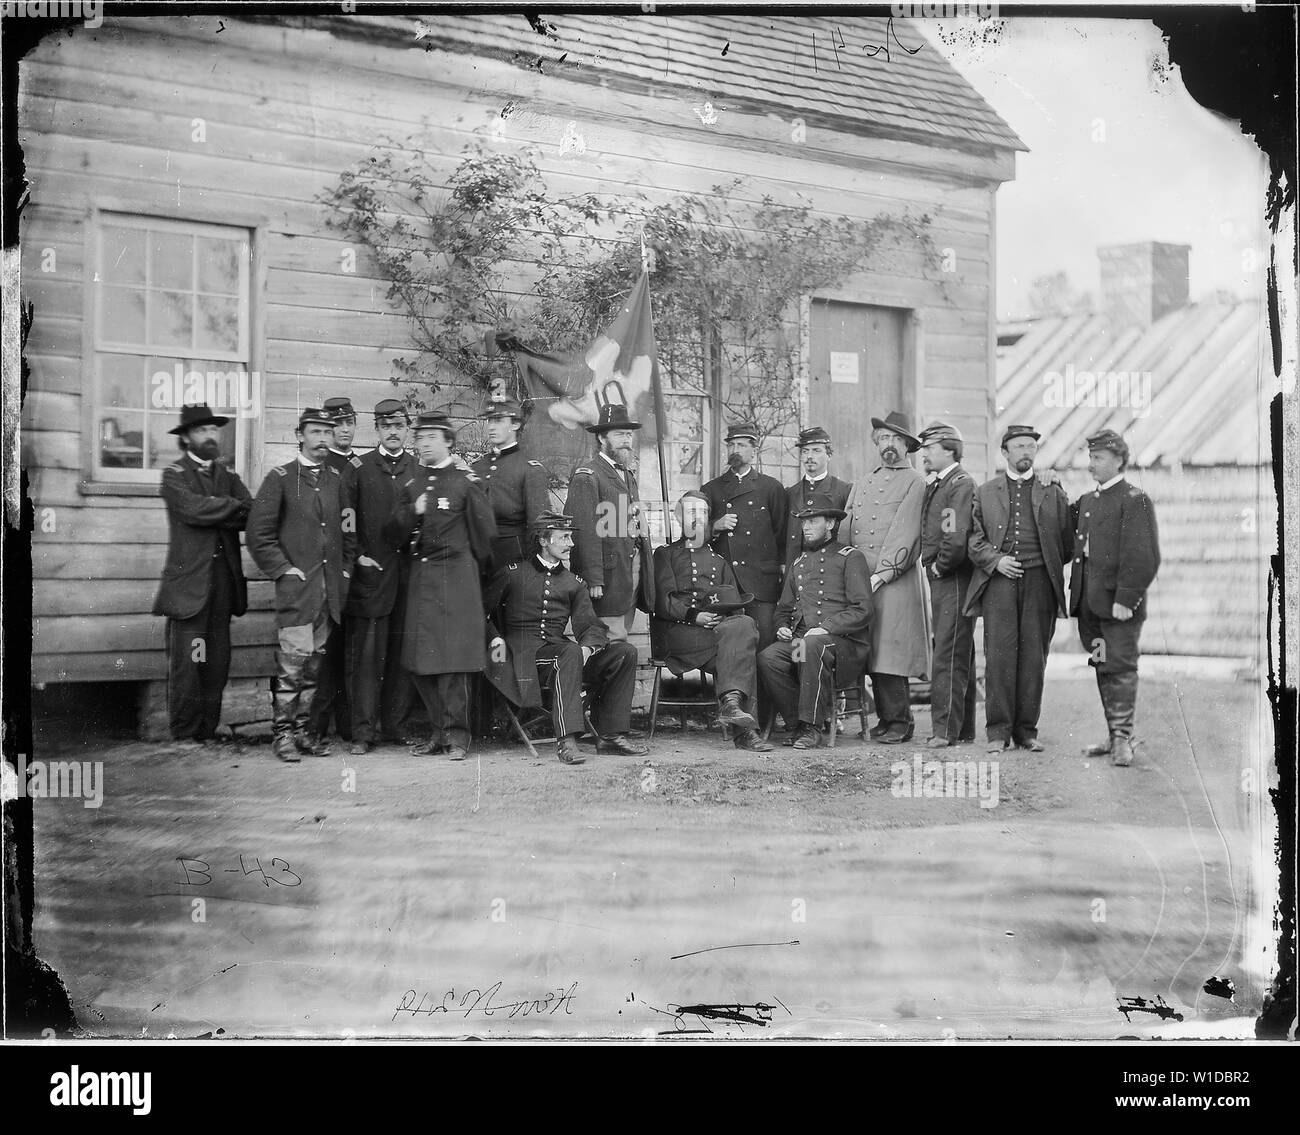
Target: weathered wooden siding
107 117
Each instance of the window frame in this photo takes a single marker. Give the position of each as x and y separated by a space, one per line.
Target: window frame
104 213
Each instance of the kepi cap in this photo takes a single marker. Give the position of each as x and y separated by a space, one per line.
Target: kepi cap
314 416
813 435
1019 431
742 429
940 431
340 408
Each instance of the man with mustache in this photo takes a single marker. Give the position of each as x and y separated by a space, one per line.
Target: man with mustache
443 516
885 523
610 552
1020 538
203 579
332 705
814 455
298 536
747 518
380 692
515 486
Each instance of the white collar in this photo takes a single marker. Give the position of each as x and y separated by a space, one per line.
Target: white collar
935 478
741 476
205 466
814 480
442 464
614 464
1028 475
341 452
309 464
1115 480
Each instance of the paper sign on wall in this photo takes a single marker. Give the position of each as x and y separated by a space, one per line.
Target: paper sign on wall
844 366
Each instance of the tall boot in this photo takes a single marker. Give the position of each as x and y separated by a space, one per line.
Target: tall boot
1123 700
732 713
306 741
284 704
1102 749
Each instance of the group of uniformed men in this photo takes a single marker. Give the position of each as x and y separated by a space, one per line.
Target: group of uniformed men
400 577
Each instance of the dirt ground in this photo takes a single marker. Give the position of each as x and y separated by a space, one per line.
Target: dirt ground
699 890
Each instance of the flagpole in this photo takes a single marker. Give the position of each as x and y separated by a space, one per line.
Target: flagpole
661 427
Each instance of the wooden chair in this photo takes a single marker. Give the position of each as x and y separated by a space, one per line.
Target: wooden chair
851 701
521 718
707 696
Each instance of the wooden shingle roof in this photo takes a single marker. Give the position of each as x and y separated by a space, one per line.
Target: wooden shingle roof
855 73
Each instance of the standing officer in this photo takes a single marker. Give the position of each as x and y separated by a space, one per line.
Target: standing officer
814 455
747 516
331 705
380 689
698 620
515 486
885 523
298 536
528 606
1021 536
823 627
1116 557
945 529
609 551
203 580
444 517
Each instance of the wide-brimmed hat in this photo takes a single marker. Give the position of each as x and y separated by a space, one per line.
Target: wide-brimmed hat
821 506
340 408
1019 431
199 414
721 600
314 415
813 435
553 522
896 422
613 416
742 429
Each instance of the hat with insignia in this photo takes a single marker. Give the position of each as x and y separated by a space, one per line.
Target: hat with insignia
813 435
548 521
435 420
503 408
821 506
314 416
1019 431
613 416
742 429
896 422
197 415
340 408
390 406
1109 439
940 431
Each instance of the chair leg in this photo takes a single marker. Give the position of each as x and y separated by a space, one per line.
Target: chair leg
836 705
519 728
654 701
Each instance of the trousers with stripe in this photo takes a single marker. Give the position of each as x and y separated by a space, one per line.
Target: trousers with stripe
952 678
609 676
799 675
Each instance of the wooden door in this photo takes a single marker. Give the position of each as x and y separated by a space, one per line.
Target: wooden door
855 373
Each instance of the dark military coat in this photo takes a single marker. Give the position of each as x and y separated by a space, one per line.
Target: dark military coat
529 605
756 546
449 544
681 568
204 518
830 588
1118 527
378 478
297 521
946 523
990 515
516 489
799 496
606 540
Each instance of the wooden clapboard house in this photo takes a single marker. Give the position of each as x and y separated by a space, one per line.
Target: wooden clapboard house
174 244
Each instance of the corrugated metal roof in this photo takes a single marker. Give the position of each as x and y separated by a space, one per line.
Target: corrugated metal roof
1194 387
853 71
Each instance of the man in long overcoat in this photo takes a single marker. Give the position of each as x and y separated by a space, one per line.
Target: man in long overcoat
885 523
444 517
298 537
203 579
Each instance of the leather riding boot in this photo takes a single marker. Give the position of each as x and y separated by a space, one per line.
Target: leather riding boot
316 745
1123 699
750 741
1101 749
732 712
284 701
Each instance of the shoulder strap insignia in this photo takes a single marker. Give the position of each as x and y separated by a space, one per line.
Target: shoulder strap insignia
282 470
512 567
538 464
584 469
1134 491
847 551
177 467
334 469
355 461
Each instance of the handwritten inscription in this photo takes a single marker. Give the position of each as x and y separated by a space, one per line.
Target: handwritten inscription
486 1001
199 872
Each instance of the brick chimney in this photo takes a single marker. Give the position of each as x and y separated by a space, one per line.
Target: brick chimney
1141 282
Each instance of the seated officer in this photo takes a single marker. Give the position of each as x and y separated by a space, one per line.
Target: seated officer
823 626
698 620
528 606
